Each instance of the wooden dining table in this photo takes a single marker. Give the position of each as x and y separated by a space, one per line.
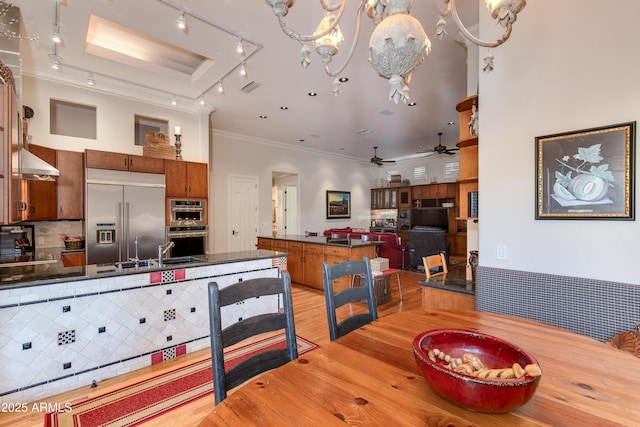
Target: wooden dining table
369 377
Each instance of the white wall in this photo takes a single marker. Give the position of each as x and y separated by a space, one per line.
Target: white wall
115 120
240 155
569 65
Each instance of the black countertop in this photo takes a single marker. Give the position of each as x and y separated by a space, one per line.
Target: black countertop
54 272
323 240
454 281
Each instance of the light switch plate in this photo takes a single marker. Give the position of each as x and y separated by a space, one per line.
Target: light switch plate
501 252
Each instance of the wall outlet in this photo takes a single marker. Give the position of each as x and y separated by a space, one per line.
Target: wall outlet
501 252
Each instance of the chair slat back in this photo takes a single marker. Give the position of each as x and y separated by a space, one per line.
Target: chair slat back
349 295
433 262
247 328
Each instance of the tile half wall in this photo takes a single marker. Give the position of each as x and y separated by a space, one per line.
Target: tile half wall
595 308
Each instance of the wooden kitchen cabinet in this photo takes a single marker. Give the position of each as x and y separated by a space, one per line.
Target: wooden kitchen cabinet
313 259
404 198
434 192
70 185
43 194
64 197
264 243
295 259
305 259
336 255
97 159
186 179
73 259
384 198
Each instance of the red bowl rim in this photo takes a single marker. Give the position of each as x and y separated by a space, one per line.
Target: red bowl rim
420 353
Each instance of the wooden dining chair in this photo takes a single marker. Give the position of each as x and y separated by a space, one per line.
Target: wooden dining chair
432 262
248 327
351 294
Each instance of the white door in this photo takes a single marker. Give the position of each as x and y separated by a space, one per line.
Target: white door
243 213
291 209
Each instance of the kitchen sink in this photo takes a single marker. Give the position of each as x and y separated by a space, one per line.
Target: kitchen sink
131 264
181 260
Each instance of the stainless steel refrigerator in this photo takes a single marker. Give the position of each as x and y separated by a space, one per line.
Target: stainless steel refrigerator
124 208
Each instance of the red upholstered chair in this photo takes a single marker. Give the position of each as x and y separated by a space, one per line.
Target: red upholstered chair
392 250
330 231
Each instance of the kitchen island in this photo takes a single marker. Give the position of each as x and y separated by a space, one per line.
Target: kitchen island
63 328
307 253
449 292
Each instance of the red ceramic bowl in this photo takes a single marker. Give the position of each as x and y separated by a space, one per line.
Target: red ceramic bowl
476 394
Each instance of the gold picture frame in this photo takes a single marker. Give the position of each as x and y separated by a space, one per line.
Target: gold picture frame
586 174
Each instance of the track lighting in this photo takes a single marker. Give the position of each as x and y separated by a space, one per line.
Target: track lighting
174 101
55 37
182 22
220 87
202 99
55 58
240 48
243 70
90 80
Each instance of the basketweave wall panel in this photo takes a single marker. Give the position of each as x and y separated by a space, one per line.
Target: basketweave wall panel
594 308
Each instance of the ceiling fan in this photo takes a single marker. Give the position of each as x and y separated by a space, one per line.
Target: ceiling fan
440 149
379 161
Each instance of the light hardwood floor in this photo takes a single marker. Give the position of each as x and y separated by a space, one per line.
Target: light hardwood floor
311 323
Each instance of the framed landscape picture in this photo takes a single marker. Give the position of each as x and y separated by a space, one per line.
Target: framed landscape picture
338 204
586 174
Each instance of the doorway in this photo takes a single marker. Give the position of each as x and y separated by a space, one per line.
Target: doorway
285 213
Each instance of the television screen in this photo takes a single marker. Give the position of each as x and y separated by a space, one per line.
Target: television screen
430 217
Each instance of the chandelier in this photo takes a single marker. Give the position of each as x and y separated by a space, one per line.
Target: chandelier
398 43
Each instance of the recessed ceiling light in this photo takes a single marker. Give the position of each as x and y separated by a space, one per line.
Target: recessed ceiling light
343 79
262 116
284 107
411 104
301 140
363 131
451 123
312 94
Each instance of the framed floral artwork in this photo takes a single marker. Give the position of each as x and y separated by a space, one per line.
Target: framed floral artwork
338 204
586 174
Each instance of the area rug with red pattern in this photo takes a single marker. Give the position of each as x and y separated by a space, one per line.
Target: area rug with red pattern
145 400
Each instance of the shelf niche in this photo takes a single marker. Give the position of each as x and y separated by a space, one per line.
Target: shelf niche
468 144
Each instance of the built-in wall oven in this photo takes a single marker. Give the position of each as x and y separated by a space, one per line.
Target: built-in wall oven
187 213
188 241
187 228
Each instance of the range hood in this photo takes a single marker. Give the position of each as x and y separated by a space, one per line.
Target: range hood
34 168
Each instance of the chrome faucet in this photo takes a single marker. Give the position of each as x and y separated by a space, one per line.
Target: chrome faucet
162 249
136 259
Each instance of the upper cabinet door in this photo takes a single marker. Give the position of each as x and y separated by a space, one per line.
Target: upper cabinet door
198 180
146 164
176 181
107 160
42 194
97 159
186 179
70 185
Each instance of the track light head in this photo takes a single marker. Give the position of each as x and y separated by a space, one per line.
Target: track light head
182 22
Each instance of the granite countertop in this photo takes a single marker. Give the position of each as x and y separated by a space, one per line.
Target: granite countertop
454 280
324 240
55 272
